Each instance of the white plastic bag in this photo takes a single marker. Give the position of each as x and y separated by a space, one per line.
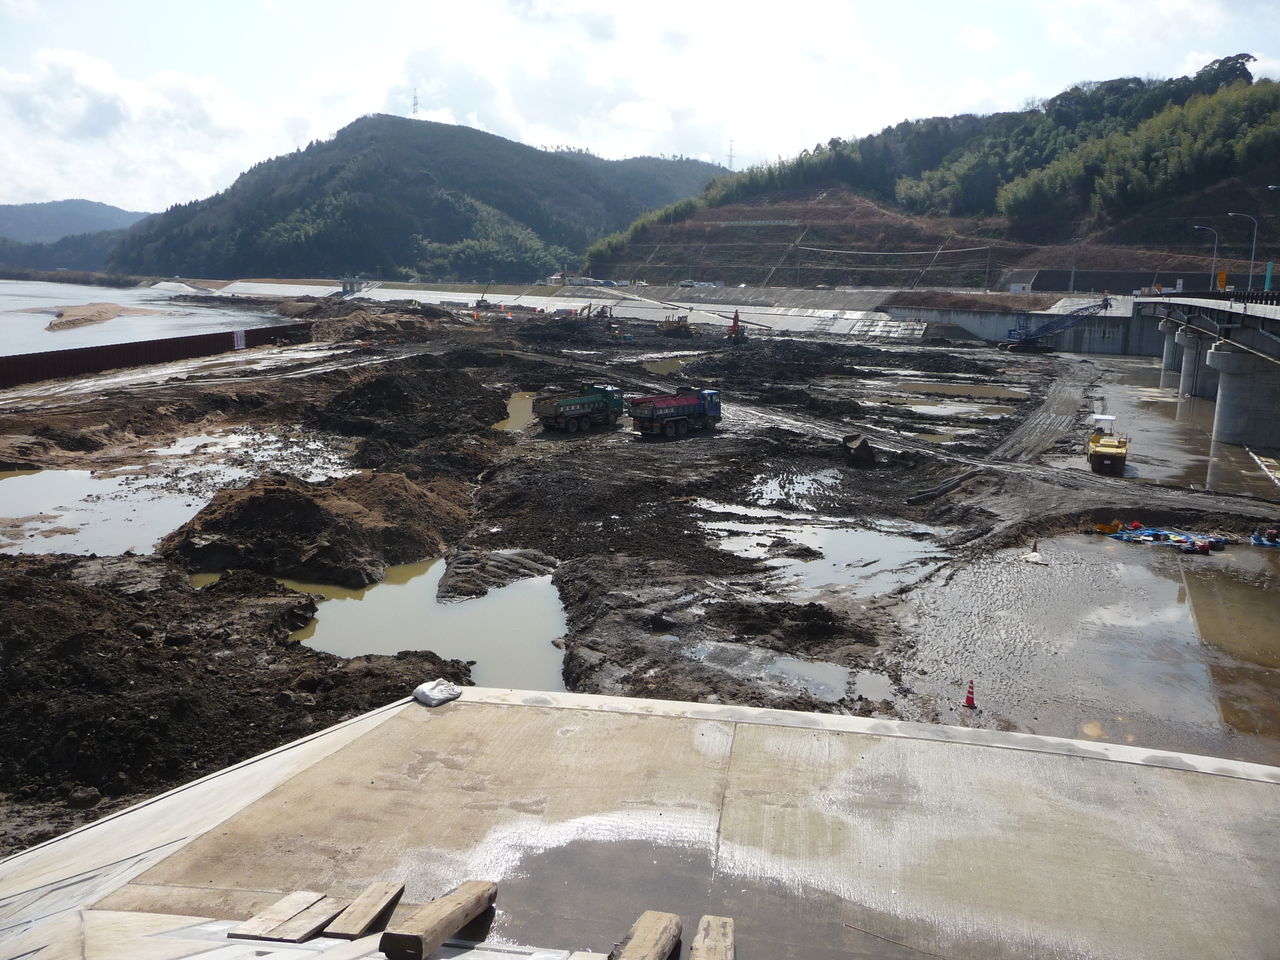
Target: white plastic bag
435 692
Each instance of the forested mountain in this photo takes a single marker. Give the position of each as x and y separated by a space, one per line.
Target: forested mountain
407 198
80 251
1079 163
46 222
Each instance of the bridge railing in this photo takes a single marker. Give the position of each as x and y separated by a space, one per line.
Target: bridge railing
1266 298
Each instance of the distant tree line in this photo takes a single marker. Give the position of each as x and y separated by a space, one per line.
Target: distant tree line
407 199
1102 148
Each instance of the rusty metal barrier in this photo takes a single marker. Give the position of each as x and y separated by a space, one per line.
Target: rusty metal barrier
78 361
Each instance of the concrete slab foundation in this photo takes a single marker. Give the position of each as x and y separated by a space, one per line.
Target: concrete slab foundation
822 836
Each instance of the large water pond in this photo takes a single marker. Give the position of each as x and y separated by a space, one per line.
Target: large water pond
509 632
22 331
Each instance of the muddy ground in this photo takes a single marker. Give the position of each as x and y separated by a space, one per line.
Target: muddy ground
120 679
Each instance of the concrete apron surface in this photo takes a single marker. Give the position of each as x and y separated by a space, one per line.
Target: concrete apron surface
823 836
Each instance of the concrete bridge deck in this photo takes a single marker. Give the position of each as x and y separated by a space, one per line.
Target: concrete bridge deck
824 836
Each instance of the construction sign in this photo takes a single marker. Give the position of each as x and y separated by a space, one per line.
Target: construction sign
1222 279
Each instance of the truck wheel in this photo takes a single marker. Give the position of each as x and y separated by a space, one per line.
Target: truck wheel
669 428
584 424
682 428
571 426
613 419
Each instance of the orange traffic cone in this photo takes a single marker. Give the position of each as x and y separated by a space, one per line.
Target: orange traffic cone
968 698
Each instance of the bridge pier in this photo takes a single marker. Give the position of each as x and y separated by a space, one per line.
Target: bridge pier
1248 397
1172 359
1198 378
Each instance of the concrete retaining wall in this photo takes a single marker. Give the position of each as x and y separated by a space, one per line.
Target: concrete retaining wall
1134 336
54 364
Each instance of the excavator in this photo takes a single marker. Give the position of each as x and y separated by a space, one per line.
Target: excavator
1023 339
737 332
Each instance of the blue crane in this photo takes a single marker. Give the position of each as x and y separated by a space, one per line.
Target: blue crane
1022 339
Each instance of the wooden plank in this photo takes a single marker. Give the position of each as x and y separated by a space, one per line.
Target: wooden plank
432 924
286 908
309 922
714 939
651 938
377 901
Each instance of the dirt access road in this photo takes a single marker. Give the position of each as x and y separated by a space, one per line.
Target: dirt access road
754 564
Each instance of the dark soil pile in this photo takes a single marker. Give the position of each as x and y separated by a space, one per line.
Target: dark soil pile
789 627
412 400
343 531
797 361
120 680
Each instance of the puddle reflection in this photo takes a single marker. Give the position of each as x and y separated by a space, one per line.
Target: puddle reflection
508 632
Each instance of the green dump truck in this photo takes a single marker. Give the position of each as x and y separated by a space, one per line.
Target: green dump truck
571 412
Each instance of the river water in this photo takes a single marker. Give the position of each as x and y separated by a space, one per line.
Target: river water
23 332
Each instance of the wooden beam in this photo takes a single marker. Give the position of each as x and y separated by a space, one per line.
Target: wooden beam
651 938
286 908
309 922
432 924
376 902
714 939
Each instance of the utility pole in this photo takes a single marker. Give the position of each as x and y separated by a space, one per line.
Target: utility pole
1254 249
1213 271
731 154
1071 287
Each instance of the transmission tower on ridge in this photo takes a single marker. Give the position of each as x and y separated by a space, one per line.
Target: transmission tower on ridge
731 154
415 101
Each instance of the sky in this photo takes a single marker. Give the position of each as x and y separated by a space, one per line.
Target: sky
146 103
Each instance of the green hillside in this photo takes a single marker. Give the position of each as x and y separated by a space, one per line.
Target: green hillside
407 198
47 222
1091 161
81 251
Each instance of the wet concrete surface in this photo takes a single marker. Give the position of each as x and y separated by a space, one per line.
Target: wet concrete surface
822 837
509 632
1123 642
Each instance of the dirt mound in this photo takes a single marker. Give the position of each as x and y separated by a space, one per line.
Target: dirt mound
799 361
786 626
121 680
954 300
343 531
473 573
411 400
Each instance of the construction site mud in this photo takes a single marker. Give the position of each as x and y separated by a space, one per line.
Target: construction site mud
757 563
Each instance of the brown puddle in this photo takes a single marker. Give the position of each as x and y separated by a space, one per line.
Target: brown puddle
665 366
509 632
519 411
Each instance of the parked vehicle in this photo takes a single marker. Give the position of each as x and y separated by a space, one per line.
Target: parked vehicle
594 403
675 414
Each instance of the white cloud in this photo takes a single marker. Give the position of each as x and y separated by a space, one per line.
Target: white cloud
153 123
21 9
978 38
1062 34
87 131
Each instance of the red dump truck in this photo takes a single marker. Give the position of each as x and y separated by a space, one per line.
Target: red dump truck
675 414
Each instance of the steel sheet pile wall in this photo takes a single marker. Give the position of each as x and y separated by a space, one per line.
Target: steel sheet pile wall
53 364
